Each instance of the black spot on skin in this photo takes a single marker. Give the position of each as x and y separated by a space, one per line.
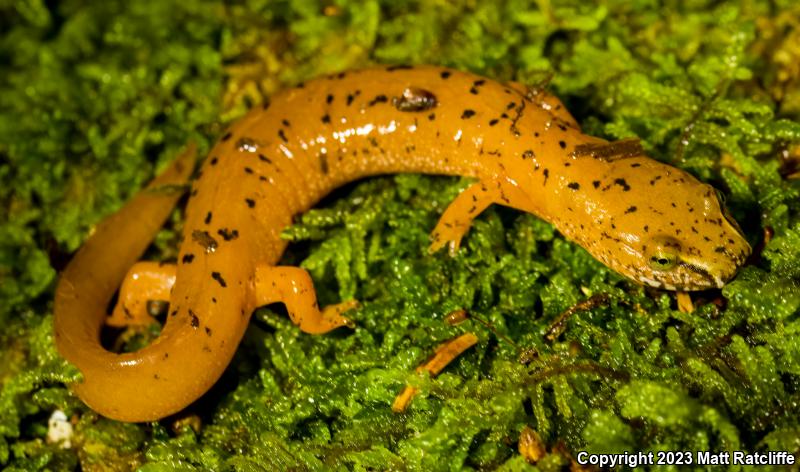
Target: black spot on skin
479 82
562 144
286 123
227 234
635 165
574 185
326 118
378 99
187 258
445 74
562 127
630 209
527 154
622 183
218 277
350 98
595 183
264 158
432 116
414 99
546 175
250 202
207 220
214 161
536 134
208 331
194 320
282 135
493 121
719 249
511 105
467 114
323 163
248 170
341 75
329 99
473 91
226 136
265 105
646 228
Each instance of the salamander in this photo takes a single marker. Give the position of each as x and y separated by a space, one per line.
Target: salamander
651 222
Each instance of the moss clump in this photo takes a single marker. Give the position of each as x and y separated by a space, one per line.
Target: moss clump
96 96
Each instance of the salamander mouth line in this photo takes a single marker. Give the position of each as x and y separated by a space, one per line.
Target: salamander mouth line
701 271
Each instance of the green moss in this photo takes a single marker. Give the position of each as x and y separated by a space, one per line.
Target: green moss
96 96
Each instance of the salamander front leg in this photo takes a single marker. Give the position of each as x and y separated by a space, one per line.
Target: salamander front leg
144 282
458 216
293 287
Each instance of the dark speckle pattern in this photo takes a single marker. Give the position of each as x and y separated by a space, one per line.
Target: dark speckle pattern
218 277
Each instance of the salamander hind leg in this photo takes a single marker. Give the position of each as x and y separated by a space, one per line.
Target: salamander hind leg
293 287
457 218
145 281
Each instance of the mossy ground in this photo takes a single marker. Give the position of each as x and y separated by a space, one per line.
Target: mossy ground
95 96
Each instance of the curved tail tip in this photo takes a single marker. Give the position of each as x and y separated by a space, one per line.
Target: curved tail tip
186 160
180 170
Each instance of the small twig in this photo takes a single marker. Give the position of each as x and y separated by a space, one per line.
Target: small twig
622 149
444 355
558 326
685 304
461 315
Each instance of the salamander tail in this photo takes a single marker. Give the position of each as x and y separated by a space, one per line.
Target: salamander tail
96 271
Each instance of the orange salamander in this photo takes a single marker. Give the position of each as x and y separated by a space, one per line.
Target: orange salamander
649 221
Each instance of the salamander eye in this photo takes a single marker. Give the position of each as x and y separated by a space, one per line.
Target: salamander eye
720 197
727 214
663 261
662 253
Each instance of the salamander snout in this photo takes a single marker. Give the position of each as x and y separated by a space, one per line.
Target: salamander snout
676 268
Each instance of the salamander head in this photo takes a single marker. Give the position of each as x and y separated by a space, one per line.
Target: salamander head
691 242
662 227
